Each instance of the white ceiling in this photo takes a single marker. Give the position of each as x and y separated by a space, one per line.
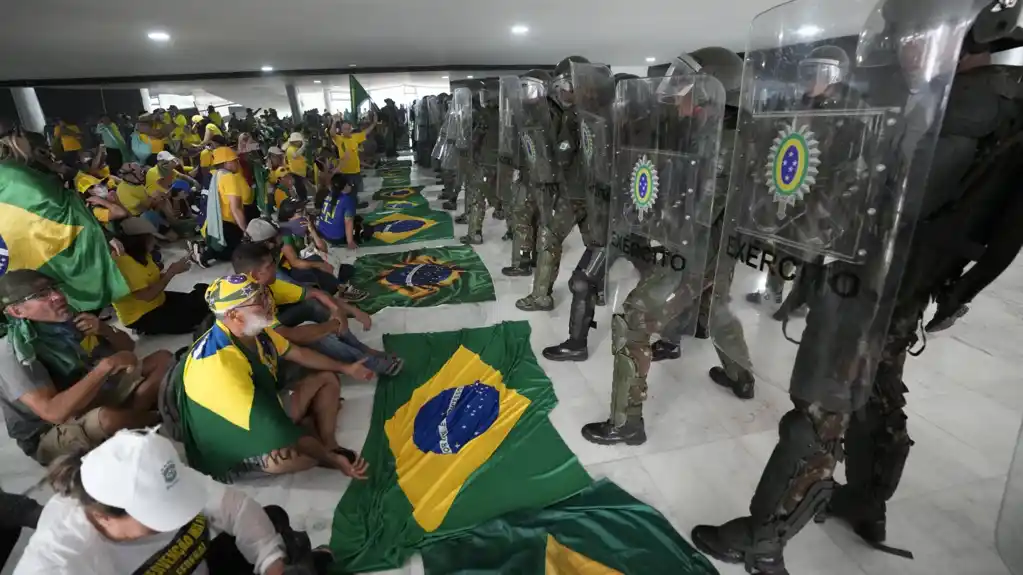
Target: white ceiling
79 39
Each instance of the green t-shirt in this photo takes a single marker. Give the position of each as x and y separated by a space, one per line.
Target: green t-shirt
297 242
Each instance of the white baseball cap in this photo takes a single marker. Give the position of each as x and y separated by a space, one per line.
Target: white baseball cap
165 156
260 230
296 137
141 472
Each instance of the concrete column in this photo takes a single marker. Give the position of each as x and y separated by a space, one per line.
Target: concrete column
30 113
326 101
146 105
296 106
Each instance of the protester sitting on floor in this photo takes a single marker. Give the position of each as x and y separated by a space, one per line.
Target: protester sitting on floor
150 308
282 185
338 223
154 206
229 207
329 334
264 232
67 379
17 512
132 506
232 422
297 164
103 202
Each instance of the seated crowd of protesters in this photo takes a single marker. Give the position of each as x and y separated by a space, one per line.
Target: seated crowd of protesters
256 393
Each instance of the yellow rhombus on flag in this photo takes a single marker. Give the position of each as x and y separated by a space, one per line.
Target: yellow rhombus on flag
560 560
450 426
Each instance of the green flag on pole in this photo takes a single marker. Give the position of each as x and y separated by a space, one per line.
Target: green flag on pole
458 438
423 278
358 94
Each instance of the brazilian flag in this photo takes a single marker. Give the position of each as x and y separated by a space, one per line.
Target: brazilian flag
601 531
423 278
47 228
396 164
391 227
412 193
459 437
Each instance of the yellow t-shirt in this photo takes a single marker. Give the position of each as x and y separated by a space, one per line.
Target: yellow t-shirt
297 165
156 145
131 197
205 158
350 144
233 184
70 137
191 139
217 119
213 130
280 194
284 292
131 307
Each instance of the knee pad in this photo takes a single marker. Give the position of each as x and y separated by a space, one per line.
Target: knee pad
579 284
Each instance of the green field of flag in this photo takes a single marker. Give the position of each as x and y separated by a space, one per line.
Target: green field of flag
423 278
50 229
407 225
600 531
458 438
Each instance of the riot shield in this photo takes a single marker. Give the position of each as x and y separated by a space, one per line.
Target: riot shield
594 88
421 129
509 145
536 139
825 191
461 107
666 144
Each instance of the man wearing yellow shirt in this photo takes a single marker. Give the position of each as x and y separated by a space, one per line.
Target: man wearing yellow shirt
348 150
235 202
294 154
70 138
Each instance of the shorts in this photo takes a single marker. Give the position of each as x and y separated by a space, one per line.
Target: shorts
85 431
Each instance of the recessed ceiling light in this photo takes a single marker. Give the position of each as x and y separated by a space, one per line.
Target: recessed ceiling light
470 77
520 29
352 65
651 59
317 81
267 68
443 77
159 36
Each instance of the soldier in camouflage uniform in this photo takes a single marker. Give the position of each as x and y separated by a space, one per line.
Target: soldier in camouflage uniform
484 186
461 137
530 113
563 205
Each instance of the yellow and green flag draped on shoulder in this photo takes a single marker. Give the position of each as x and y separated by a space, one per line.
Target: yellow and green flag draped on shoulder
600 531
402 226
47 228
422 278
459 437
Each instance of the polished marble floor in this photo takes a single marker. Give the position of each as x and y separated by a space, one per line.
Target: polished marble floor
707 448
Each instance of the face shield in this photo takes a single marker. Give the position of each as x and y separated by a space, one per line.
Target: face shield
820 72
679 91
563 91
533 90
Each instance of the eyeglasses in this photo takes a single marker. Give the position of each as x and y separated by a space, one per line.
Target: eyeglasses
44 293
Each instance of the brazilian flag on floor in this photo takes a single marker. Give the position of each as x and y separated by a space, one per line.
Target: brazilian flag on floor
410 193
50 229
402 226
396 164
601 531
395 180
423 278
458 438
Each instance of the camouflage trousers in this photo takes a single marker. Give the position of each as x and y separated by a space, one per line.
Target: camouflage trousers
481 191
523 222
661 295
715 314
563 215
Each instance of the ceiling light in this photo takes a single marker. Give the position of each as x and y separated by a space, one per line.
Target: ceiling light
809 30
443 77
651 59
520 29
267 68
158 36
470 77
352 65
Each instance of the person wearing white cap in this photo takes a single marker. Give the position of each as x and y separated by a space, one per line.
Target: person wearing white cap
131 506
276 158
297 164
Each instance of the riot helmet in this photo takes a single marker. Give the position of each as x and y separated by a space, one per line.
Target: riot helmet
719 63
824 66
534 85
561 86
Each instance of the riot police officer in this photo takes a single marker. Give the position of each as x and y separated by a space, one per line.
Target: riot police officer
483 185
849 184
563 205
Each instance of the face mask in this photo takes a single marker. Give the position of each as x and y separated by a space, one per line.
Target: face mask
100 190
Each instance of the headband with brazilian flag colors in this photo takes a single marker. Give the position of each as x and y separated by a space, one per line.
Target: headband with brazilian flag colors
229 292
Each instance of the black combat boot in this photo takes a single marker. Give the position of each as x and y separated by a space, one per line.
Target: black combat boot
605 433
867 518
447 195
450 205
471 239
498 214
522 268
733 542
743 388
570 350
701 331
663 350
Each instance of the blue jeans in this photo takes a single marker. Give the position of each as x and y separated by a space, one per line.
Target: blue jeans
347 348
301 312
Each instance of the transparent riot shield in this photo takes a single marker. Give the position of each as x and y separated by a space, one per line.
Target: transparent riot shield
594 91
508 147
422 121
540 172
1009 531
825 191
445 150
666 144
461 107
